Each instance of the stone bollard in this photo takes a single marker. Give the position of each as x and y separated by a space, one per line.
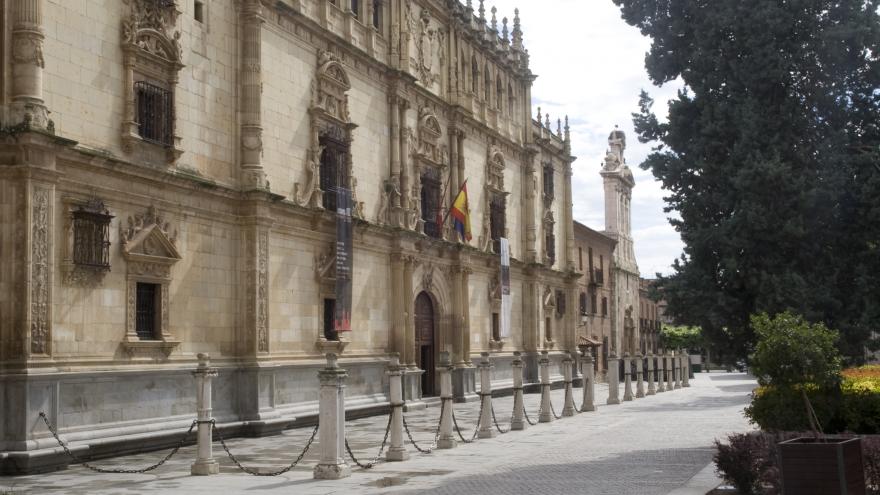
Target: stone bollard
518 422
546 415
627 377
651 389
205 463
331 422
397 450
486 430
670 371
613 380
685 375
589 376
447 437
640 375
661 373
569 408
677 366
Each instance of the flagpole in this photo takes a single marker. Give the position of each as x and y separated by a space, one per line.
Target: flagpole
445 189
450 208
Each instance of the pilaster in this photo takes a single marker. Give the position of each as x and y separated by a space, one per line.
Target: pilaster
252 174
27 106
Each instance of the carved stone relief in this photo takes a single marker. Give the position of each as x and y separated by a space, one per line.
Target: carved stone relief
40 211
428 48
263 292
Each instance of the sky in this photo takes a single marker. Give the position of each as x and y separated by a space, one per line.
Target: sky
590 66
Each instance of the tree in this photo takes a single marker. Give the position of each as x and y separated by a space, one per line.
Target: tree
770 155
681 337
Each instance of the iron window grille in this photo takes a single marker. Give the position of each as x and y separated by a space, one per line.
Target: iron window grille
431 202
497 214
583 303
550 241
91 235
377 14
548 182
155 113
147 311
334 160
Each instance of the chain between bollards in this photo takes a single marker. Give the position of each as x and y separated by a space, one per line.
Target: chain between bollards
433 446
254 472
371 464
495 420
120 470
476 429
552 409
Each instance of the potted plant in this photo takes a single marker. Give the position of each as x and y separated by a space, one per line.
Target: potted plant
793 354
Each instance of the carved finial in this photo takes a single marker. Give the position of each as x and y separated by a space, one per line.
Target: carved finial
517 30
547 121
539 116
482 10
504 32
470 5
559 127
494 19
567 131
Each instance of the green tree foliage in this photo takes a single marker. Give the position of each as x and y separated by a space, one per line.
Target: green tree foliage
771 156
678 337
792 352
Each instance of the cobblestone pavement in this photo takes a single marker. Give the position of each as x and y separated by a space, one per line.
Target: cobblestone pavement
649 446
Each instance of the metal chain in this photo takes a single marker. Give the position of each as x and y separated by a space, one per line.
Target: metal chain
119 470
526 415
476 429
376 459
552 410
495 420
252 471
436 432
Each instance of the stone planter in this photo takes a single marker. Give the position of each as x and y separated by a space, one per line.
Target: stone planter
822 466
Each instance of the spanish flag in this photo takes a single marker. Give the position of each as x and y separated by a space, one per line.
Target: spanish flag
461 215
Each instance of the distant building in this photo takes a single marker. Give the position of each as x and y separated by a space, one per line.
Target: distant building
595 253
649 319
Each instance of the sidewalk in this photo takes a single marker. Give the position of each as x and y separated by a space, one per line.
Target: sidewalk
649 446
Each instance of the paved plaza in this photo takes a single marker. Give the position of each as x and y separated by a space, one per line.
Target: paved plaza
657 445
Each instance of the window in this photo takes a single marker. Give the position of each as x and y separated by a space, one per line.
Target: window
590 262
580 259
147 318
475 75
593 304
510 100
499 93
199 11
548 181
334 161
548 329
431 202
583 303
496 327
487 86
91 235
550 247
497 219
155 113
356 8
560 303
604 306
329 316
377 14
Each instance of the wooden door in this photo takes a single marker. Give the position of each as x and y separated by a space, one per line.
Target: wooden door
425 348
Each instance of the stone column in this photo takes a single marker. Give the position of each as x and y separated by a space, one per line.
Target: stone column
627 377
589 382
27 65
252 174
651 389
331 421
396 451
466 314
676 359
613 379
518 421
205 463
668 364
486 428
447 438
569 408
661 372
394 207
640 374
529 192
686 371
546 414
405 184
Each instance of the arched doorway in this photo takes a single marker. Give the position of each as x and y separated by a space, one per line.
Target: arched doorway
425 341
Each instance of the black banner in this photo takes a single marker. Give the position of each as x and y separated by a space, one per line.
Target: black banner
344 249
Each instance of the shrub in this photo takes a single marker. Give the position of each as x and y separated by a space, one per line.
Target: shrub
782 409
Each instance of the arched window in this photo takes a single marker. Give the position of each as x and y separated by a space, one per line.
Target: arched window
475 75
377 14
511 100
499 93
583 303
487 85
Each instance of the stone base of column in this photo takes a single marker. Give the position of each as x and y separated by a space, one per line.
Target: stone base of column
640 392
587 408
205 467
332 471
487 433
651 392
612 401
396 455
518 425
447 443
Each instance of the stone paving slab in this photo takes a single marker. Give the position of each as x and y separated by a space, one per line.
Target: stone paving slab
649 446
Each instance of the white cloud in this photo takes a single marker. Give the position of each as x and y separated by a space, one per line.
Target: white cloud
590 65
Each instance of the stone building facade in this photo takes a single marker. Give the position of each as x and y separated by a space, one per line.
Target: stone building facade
619 182
650 318
166 170
595 254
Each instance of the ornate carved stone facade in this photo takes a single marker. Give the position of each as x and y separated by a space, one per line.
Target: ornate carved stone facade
220 239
